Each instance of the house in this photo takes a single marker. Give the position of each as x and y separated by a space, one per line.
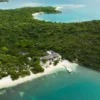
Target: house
51 55
49 59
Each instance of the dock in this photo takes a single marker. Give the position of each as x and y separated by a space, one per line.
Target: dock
68 68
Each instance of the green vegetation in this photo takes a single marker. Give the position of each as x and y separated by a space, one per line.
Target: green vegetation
22 36
44 60
37 69
3 0
56 62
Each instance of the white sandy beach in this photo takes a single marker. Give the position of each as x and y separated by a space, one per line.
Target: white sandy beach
8 82
36 14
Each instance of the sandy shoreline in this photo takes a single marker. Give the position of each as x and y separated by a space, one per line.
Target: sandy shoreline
36 14
40 13
8 82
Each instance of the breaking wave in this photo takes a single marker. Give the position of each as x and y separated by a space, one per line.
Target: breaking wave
69 6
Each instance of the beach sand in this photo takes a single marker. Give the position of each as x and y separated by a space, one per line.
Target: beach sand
8 82
36 14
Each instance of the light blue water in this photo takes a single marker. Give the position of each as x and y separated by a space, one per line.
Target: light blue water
72 10
72 15
83 84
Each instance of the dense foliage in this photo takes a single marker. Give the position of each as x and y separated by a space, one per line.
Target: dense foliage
22 36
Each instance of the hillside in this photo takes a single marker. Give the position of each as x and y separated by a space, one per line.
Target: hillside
22 36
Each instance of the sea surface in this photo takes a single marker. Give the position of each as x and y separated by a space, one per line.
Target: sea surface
82 83
72 10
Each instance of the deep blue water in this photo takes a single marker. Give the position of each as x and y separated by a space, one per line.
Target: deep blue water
83 84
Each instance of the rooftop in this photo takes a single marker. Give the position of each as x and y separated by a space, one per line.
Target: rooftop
51 55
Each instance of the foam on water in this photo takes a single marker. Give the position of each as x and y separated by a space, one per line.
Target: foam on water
69 6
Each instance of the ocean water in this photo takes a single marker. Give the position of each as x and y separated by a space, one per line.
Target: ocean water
83 83
72 10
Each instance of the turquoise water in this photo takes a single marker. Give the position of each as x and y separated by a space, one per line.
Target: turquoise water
72 10
73 13
83 84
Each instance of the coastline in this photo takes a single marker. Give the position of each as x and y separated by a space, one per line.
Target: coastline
36 14
40 13
58 8
8 82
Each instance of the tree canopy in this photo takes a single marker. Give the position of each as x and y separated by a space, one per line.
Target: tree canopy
22 36
3 0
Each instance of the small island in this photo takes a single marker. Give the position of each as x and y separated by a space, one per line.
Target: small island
3 0
24 40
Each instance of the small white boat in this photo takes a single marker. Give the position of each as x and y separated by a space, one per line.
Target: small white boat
68 69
